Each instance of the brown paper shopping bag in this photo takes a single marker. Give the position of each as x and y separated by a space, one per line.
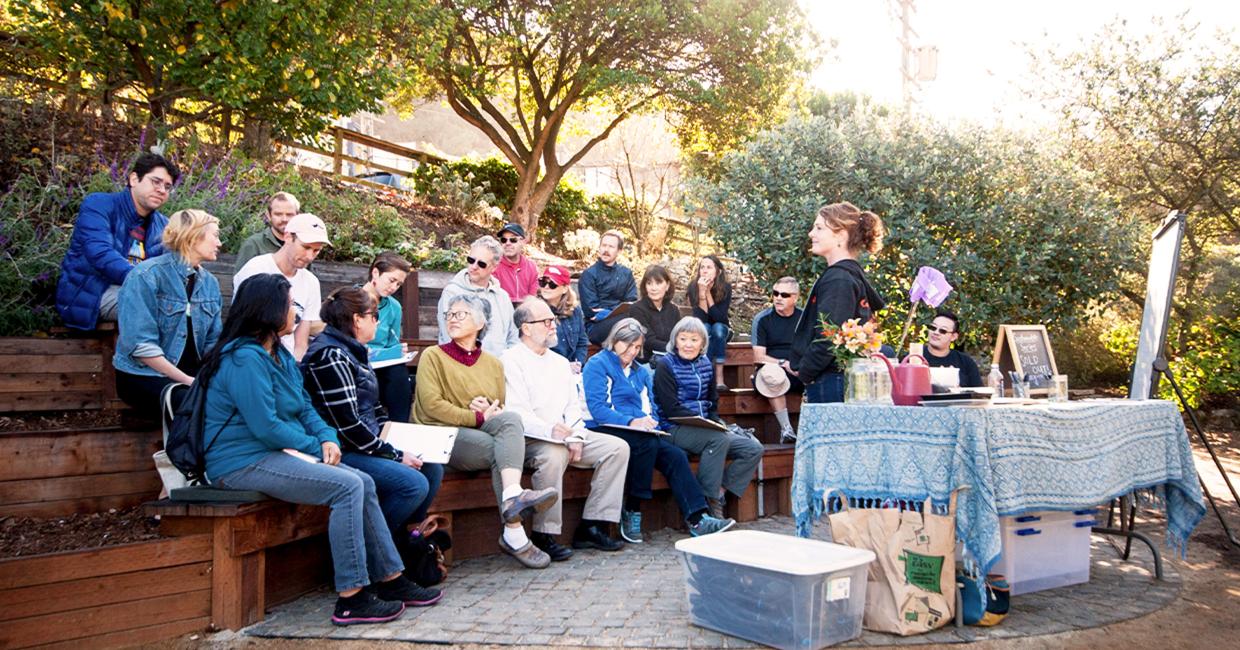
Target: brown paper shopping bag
911 587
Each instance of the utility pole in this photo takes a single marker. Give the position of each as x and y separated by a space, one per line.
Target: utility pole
908 76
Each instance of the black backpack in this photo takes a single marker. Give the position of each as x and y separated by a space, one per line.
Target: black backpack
184 427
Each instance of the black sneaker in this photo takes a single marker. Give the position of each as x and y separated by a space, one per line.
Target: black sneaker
408 592
547 543
365 607
595 536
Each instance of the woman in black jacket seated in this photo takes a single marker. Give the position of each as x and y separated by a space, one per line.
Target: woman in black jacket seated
345 392
656 312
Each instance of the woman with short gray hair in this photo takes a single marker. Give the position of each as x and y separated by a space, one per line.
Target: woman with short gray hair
683 387
461 386
620 398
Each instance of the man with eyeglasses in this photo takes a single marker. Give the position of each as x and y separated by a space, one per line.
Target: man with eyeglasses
281 207
478 278
517 274
604 286
939 353
112 234
771 335
541 388
304 237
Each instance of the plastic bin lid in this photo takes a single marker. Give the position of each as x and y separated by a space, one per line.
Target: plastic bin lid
782 553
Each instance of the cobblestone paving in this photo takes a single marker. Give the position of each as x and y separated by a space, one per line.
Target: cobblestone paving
636 598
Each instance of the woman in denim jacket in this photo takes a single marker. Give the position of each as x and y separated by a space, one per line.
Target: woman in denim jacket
168 312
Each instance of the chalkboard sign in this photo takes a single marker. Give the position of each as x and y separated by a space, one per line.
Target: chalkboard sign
1026 349
1159 287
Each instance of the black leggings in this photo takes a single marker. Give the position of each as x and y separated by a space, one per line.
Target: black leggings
141 392
396 391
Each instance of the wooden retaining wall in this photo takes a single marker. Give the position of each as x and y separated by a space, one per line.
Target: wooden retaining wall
106 598
53 473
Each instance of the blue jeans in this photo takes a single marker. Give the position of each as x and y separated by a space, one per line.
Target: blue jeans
828 388
362 549
648 452
718 347
404 493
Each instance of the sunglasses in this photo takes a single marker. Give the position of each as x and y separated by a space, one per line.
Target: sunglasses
940 330
510 240
548 283
781 294
477 262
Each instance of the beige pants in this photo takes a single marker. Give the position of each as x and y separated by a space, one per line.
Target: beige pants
607 455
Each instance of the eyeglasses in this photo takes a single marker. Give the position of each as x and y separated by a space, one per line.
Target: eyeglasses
545 322
479 263
158 184
510 240
940 330
372 314
634 327
455 315
547 283
782 294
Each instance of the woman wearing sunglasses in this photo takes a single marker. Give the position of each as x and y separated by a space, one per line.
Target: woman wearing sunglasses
345 392
478 279
840 233
555 288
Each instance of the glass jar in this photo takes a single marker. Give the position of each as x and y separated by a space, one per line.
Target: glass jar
857 382
880 381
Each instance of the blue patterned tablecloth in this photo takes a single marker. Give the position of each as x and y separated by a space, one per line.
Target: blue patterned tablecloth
1014 458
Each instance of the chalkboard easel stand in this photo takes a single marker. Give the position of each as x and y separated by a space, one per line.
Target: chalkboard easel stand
1162 367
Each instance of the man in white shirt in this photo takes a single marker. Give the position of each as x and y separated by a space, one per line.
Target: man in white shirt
542 389
304 236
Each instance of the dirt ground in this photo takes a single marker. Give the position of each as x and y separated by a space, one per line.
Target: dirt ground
1206 615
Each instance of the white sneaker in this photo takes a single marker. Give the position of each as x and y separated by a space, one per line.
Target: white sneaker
787 435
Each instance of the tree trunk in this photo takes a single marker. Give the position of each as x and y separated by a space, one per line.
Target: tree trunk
256 138
531 199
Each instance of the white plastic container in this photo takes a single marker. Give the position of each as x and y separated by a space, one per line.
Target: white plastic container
1045 550
783 591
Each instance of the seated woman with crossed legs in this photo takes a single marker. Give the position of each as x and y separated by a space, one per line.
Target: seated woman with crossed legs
620 392
256 410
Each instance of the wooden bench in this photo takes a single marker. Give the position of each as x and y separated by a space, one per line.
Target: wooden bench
269 552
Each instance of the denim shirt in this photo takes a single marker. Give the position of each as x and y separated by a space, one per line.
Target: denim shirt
151 313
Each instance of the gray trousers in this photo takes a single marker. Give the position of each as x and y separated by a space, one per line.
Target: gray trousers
498 444
714 449
607 455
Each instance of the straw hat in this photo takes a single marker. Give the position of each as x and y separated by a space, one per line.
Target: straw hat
771 380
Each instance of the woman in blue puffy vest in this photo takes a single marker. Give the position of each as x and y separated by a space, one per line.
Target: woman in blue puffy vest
345 392
684 387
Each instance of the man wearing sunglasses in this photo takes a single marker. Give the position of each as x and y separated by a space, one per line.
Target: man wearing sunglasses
478 278
517 274
943 332
112 234
771 335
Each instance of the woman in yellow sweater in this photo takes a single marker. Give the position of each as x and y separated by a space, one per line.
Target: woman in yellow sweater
461 386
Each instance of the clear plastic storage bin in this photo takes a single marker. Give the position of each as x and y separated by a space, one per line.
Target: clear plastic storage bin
1045 550
779 590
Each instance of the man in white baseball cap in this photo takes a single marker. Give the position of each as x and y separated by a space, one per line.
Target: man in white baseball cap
305 235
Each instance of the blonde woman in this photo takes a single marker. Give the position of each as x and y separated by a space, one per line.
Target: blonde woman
168 312
554 287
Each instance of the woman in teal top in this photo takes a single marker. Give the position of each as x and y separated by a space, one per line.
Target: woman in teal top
387 275
262 433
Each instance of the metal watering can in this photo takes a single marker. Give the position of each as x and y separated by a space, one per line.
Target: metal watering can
909 381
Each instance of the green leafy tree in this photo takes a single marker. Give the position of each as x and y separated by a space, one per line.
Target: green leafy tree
1156 118
289 64
1021 235
520 70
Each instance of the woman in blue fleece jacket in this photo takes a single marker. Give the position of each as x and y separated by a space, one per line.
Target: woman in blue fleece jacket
256 409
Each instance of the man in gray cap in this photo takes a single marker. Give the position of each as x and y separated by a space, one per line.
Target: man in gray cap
517 274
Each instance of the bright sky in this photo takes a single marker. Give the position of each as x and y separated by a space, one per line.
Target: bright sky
982 45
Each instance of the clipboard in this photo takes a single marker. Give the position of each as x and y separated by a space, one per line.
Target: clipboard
576 436
700 422
394 362
622 427
430 443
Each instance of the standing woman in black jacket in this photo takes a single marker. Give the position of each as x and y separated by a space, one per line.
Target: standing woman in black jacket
840 233
710 295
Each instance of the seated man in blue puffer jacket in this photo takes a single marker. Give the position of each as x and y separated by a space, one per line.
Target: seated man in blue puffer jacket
112 234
